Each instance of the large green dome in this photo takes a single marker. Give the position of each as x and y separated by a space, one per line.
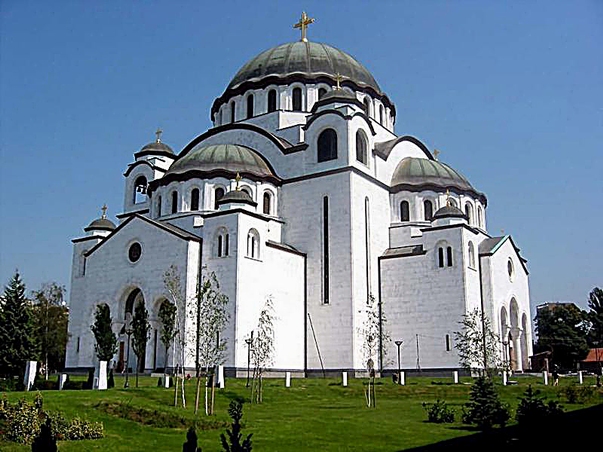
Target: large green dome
417 173
306 59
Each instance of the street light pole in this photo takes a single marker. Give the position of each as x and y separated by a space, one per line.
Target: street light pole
398 344
248 341
128 330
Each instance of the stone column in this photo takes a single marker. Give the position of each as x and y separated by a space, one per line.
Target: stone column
30 374
516 333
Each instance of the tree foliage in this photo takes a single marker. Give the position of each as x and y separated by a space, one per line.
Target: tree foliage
233 443
167 316
17 330
105 344
562 330
51 318
140 334
534 412
262 349
595 316
477 344
485 409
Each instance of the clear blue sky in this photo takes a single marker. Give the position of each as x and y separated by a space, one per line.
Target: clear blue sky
511 92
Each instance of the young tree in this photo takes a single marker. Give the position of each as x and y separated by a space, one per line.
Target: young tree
478 345
210 346
51 317
167 316
374 346
17 331
485 408
233 443
140 334
105 340
262 349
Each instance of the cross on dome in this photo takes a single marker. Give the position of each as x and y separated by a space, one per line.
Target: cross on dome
104 209
338 80
158 135
303 23
238 179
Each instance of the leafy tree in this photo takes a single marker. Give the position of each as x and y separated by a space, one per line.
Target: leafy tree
262 349
562 330
485 408
140 334
51 317
17 330
105 340
233 444
595 316
478 345
167 316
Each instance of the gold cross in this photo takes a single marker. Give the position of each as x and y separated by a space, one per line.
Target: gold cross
104 209
338 80
303 25
436 153
158 134
448 202
238 179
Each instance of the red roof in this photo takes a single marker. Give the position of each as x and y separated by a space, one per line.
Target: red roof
593 354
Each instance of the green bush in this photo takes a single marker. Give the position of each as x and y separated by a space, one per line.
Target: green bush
233 443
485 409
439 412
11 384
533 411
578 394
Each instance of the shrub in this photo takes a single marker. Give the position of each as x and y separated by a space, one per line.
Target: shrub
485 408
11 384
533 411
578 394
21 421
82 429
191 441
439 412
235 411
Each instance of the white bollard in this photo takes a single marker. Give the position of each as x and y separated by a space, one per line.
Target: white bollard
221 376
345 378
580 378
100 380
62 381
166 381
545 377
287 379
30 374
505 378
402 378
455 377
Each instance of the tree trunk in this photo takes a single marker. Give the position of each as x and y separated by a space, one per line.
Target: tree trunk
137 365
176 378
213 398
197 393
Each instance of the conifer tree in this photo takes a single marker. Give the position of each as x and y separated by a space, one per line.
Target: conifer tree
485 408
140 334
233 443
106 341
17 332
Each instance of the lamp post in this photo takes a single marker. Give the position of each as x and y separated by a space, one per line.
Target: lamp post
128 331
248 341
398 344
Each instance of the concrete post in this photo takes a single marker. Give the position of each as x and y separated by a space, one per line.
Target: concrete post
345 378
287 379
30 374
221 376
545 377
402 378
580 378
62 381
455 377
505 378
100 377
166 381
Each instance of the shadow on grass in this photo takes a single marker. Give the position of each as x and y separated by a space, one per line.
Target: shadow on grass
570 431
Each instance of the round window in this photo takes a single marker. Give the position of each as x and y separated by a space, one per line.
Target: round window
134 252
510 269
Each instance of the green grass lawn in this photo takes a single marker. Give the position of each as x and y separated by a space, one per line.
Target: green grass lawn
313 414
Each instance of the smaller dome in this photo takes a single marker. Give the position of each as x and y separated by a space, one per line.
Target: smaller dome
100 224
157 146
237 196
339 94
449 211
417 172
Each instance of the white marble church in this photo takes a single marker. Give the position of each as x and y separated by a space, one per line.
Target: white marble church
301 191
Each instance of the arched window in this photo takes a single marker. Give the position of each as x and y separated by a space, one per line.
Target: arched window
219 248
361 147
195 199
471 255
246 190
140 189
327 145
321 93
233 111
469 212
381 116
250 106
253 244
267 203
480 217
449 256
174 201
271 100
452 202
428 210
404 211
218 193
297 99
226 244
221 243
159 206
367 105
440 257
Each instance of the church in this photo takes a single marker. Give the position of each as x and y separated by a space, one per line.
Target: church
302 193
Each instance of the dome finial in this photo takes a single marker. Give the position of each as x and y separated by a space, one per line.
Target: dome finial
436 153
158 133
338 80
303 23
238 179
448 200
104 209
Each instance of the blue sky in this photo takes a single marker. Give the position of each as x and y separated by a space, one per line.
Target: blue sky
510 92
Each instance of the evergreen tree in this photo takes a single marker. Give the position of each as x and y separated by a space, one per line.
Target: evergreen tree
105 340
534 412
233 444
140 334
485 408
17 331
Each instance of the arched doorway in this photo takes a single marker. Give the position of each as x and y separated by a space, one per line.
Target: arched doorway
127 358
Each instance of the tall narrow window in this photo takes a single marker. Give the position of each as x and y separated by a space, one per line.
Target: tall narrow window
219 250
226 245
174 201
469 212
361 147
195 199
325 250
250 106
440 257
253 244
448 342
480 217
404 211
367 244
267 202
381 114
232 111
327 145
271 100
159 206
428 210
449 256
367 105
471 255
321 93
218 193
140 189
77 350
297 99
